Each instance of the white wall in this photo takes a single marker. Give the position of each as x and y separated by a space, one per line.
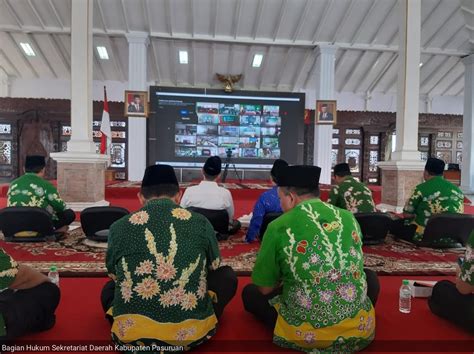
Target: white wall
346 101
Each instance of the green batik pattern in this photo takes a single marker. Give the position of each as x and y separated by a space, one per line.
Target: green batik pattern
467 268
352 195
330 281
8 270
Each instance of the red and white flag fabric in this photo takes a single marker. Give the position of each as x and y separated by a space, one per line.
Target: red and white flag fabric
106 138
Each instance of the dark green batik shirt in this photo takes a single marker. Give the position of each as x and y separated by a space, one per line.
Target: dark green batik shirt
30 190
8 270
467 268
159 258
315 252
352 195
431 197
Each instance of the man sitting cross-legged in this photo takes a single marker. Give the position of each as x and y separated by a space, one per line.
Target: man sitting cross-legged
350 194
32 190
434 196
267 203
309 284
209 195
28 299
167 286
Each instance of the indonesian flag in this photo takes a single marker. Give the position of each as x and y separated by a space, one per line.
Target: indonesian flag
106 138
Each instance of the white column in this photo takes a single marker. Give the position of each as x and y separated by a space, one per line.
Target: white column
137 70
467 172
325 74
81 77
408 89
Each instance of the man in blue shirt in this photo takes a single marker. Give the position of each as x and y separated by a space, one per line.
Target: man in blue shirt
269 202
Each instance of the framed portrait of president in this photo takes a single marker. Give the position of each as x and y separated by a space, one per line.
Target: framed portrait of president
326 112
136 104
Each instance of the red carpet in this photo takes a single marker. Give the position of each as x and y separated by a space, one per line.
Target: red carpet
80 321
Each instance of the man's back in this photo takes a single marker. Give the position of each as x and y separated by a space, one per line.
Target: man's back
208 195
316 250
160 257
352 195
31 190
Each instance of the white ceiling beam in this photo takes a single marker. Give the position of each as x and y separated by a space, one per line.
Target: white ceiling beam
439 28
247 65
438 68
310 55
214 12
60 52
258 18
147 15
311 71
192 23
212 53
124 15
173 65
237 17
340 56
459 92
384 21
22 55
442 78
351 73
369 69
101 16
449 40
281 72
116 58
382 73
169 16
277 28
98 65
37 15
391 84
364 20
453 83
56 13
10 63
13 13
322 21
347 14
156 65
303 17
193 68
41 55
264 69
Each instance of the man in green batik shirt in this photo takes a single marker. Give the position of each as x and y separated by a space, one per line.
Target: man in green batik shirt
350 194
309 284
455 301
32 190
167 287
434 196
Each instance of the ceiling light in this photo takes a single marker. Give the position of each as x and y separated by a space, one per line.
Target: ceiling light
103 53
421 64
183 57
28 49
257 60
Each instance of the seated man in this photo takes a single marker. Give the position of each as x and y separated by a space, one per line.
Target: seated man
350 194
267 203
309 284
209 195
28 299
455 302
32 190
434 196
167 286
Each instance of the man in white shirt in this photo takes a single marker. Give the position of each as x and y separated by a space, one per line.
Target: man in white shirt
208 194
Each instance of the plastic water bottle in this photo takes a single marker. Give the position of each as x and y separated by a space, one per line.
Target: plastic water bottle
404 302
53 275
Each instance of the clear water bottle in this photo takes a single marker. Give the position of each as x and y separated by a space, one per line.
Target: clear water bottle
53 275
404 302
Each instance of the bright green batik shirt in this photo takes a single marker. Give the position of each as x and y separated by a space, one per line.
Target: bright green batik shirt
315 252
467 268
352 195
431 197
159 258
30 190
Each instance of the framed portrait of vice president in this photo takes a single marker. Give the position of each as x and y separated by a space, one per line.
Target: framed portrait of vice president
136 104
326 112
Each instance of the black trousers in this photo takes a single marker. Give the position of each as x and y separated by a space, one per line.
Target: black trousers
29 310
402 231
65 218
257 304
222 281
447 302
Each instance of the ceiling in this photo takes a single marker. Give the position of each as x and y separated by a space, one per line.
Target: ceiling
223 35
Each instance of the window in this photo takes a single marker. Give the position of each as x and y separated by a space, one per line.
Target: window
374 139
373 160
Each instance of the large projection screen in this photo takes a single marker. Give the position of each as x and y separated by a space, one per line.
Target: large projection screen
188 125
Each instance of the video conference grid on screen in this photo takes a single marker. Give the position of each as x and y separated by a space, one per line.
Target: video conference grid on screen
246 130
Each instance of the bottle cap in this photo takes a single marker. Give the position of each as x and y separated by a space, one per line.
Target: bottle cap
405 282
53 268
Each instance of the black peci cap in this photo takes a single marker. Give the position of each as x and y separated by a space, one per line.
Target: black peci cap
435 166
278 165
302 176
34 161
342 168
213 166
159 174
